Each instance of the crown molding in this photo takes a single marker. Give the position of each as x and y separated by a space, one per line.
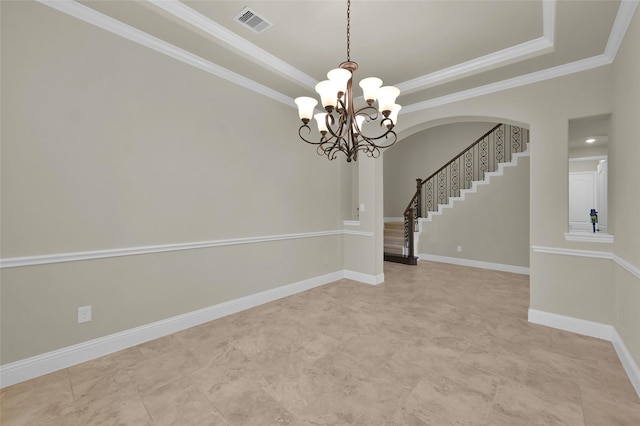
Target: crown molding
523 80
620 26
229 38
622 21
549 19
121 29
503 57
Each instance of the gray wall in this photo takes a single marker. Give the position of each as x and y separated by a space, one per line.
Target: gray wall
624 194
491 225
109 145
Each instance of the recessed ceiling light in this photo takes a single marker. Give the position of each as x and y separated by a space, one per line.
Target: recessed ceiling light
590 140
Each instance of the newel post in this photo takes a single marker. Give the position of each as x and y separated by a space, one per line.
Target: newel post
418 206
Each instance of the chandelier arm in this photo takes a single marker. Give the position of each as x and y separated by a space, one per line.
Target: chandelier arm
323 140
339 133
372 116
388 135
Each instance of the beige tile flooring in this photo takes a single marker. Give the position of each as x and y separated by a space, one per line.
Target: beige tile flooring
435 344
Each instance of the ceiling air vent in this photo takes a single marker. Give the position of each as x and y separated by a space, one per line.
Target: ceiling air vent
251 19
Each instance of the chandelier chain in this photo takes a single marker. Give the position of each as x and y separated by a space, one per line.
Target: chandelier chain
348 30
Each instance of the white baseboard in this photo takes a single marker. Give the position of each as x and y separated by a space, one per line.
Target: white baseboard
49 362
364 278
574 325
591 329
475 263
627 361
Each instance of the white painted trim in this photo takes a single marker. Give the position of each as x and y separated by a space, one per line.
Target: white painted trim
364 278
394 219
13 262
39 365
503 57
591 329
593 158
475 263
589 237
618 30
628 363
523 80
549 20
351 222
574 325
573 252
632 269
245 47
358 233
620 26
121 29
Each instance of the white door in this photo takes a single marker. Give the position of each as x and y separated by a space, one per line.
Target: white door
603 169
582 198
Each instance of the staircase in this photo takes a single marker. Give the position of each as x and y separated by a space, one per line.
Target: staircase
394 238
474 166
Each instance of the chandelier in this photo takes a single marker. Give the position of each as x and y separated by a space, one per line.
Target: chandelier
341 126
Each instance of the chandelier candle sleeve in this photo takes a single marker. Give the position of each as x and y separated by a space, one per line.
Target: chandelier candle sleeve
340 77
321 119
370 86
387 98
305 107
394 114
327 90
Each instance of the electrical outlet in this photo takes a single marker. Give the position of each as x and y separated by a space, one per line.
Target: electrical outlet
84 314
459 249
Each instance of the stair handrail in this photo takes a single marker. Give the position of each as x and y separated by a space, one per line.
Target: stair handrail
480 139
414 209
421 182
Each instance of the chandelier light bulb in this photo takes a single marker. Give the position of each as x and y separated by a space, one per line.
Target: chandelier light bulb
340 77
305 107
393 116
321 119
387 98
370 86
358 125
328 92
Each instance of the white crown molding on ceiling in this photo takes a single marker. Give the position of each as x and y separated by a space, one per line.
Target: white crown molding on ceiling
121 29
198 20
620 25
492 60
622 21
618 30
511 54
523 80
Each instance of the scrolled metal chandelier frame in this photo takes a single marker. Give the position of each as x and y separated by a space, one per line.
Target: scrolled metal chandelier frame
341 126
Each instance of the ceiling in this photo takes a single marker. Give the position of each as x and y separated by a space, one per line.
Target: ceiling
433 51
583 128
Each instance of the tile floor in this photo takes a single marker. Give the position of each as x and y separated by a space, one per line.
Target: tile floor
435 344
